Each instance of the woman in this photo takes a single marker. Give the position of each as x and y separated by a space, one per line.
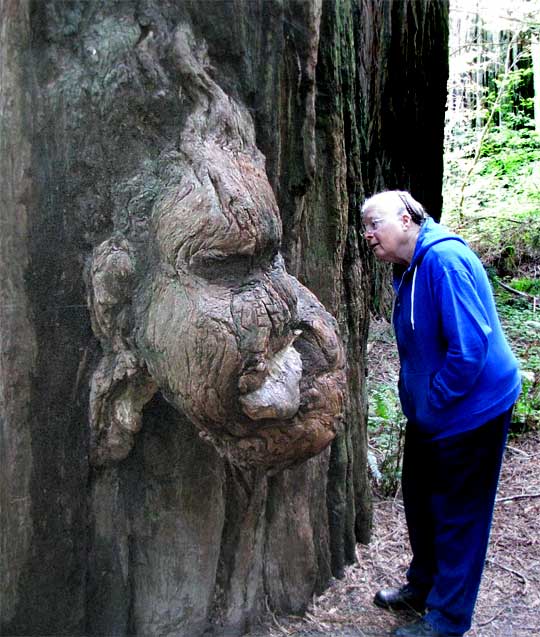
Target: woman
458 383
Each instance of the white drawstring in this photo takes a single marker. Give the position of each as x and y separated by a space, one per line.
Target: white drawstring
412 298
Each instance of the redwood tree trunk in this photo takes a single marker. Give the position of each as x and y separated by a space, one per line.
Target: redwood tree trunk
347 97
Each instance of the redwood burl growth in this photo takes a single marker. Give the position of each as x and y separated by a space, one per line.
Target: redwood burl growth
202 308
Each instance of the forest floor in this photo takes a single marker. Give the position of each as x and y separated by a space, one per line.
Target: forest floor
509 599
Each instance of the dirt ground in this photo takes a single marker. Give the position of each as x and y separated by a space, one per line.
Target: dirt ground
509 600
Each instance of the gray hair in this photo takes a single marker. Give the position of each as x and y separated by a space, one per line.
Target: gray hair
398 200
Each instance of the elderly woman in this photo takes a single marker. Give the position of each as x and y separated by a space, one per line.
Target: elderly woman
458 383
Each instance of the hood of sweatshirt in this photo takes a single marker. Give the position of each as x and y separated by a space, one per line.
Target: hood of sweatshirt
430 234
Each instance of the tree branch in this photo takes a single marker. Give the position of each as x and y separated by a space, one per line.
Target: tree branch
521 496
508 67
525 295
511 570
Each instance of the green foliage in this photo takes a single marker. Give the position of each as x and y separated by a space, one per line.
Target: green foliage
516 108
527 411
529 286
508 152
501 213
521 324
492 174
386 425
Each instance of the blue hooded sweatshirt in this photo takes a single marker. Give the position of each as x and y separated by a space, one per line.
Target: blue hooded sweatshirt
457 370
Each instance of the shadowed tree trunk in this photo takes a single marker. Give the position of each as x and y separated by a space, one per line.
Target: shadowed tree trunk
105 107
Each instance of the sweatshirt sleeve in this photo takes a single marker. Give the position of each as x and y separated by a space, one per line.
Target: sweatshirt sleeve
466 329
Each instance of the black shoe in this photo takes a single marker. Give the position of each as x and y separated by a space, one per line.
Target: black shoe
404 598
420 628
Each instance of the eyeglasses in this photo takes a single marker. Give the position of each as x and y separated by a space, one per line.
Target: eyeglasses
372 226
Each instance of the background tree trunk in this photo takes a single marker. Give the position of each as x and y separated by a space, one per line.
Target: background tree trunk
347 97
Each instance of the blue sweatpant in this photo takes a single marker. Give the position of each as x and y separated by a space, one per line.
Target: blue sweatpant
449 488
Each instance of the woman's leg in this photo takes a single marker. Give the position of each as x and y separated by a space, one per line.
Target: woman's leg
466 470
416 485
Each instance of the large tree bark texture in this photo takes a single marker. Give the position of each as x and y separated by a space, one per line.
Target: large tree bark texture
17 334
182 420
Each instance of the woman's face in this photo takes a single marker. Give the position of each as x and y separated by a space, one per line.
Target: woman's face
385 231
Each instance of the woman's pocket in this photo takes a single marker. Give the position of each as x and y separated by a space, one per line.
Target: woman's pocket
417 388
